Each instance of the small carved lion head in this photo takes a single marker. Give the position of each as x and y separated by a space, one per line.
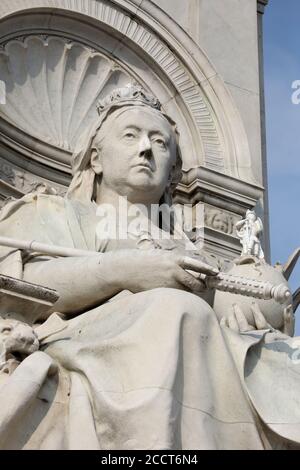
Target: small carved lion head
16 339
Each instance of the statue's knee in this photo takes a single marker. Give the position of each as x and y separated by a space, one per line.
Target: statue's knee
175 301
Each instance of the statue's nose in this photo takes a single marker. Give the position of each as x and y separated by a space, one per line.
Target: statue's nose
145 146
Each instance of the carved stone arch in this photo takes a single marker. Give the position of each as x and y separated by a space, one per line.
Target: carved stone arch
194 89
146 45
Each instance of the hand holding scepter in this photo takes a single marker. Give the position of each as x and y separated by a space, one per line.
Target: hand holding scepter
222 281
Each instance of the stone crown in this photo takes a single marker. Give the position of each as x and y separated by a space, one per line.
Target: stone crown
129 93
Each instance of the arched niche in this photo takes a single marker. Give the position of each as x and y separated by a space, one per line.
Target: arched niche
66 53
147 45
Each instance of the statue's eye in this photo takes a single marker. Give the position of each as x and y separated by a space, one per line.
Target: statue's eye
6 329
129 135
161 143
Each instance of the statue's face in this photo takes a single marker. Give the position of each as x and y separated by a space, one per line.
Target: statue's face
220 223
251 217
138 151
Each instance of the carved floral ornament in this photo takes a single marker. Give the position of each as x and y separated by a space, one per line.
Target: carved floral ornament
59 79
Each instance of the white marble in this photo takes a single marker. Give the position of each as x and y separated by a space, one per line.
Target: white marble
132 351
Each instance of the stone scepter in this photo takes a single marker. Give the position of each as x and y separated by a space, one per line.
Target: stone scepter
222 282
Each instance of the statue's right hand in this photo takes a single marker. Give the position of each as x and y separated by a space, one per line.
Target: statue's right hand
139 270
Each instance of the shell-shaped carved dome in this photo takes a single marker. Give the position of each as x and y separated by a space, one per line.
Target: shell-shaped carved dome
52 86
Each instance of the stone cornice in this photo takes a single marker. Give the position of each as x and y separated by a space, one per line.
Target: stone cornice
205 185
261 4
33 151
7 190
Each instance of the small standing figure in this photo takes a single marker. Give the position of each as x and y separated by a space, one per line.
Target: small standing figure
248 230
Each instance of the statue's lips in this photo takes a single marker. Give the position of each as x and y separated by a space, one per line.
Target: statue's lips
144 166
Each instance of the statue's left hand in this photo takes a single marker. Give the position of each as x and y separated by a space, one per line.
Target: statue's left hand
237 320
289 321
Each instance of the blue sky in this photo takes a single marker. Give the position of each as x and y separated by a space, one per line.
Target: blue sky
282 68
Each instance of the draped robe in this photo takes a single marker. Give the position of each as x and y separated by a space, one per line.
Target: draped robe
152 370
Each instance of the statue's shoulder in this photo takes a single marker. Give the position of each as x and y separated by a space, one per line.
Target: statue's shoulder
48 217
42 198
39 215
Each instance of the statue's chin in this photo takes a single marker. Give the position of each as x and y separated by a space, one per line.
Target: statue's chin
142 185
141 177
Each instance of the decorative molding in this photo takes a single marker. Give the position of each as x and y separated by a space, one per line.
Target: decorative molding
8 192
32 161
225 201
15 181
224 246
33 149
220 220
205 185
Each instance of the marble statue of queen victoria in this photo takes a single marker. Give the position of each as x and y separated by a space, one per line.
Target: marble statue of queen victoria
131 356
